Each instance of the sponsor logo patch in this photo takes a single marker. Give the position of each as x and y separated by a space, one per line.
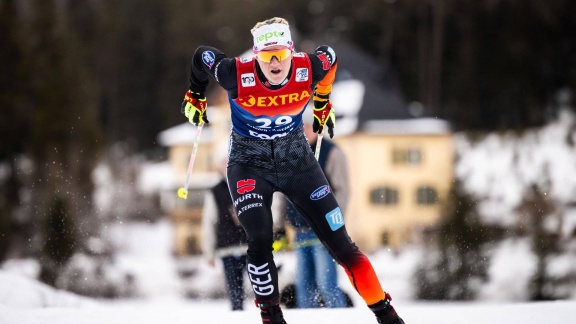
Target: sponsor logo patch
266 36
246 185
245 208
248 80
335 219
325 61
216 71
246 197
269 101
208 58
301 74
320 193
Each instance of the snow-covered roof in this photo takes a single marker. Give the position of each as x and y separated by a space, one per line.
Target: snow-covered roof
185 133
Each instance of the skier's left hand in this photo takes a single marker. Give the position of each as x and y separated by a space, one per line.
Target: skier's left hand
323 114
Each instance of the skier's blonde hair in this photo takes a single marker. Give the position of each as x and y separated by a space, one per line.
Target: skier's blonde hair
275 20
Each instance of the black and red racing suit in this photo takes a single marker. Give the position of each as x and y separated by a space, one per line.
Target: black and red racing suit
269 152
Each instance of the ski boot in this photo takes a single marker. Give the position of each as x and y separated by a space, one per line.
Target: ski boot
385 313
270 311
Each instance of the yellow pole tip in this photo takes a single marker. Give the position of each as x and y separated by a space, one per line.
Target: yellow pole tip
183 193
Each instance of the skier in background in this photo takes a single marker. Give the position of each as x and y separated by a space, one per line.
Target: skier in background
316 271
224 237
268 152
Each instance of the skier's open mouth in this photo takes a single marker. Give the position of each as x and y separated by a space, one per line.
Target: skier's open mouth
276 71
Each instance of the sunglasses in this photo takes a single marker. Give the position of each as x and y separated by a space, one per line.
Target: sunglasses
280 55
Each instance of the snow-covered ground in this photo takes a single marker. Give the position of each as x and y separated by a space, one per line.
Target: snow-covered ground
179 311
145 250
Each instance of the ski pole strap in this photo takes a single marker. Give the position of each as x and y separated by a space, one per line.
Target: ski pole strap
319 143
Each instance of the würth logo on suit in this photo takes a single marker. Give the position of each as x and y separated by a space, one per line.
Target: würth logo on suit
246 185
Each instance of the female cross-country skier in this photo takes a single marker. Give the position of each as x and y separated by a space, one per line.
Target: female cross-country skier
268 152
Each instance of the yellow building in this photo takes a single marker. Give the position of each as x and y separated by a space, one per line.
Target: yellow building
397 180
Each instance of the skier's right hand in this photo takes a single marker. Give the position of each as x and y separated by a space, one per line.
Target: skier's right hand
194 107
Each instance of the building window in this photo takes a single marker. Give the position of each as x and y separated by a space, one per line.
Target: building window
426 196
385 238
384 196
409 156
192 245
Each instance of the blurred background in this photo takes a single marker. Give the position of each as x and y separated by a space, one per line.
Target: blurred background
457 118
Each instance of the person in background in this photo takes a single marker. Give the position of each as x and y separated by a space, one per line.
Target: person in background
268 152
224 237
316 269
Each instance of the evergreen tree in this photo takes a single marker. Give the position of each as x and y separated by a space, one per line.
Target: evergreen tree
59 239
458 261
535 208
58 105
13 119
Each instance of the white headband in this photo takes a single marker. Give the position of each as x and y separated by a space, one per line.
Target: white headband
271 35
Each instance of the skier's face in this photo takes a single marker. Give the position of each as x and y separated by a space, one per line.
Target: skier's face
275 63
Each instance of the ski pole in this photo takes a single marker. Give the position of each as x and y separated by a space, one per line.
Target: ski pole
183 192
319 143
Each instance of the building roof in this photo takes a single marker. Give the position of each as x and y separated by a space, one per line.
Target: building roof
381 100
381 107
183 134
